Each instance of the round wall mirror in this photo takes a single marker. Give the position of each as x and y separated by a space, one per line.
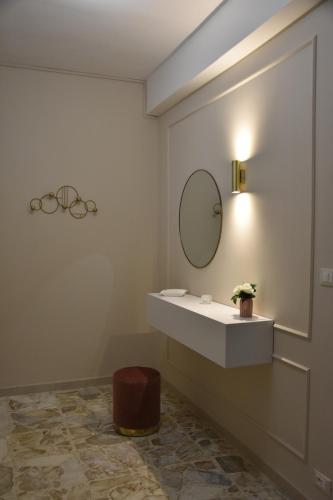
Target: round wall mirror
200 218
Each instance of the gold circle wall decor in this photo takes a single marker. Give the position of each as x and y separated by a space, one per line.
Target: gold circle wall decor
35 204
78 208
66 195
91 206
68 198
49 203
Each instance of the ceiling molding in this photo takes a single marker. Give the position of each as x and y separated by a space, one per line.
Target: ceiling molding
73 73
118 39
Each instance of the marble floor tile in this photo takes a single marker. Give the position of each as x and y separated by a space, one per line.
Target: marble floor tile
6 479
94 434
125 453
231 463
99 407
68 398
25 445
6 421
64 477
98 465
90 393
62 445
29 420
33 401
132 487
4 451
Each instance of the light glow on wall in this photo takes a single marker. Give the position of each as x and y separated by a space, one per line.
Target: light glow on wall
243 144
242 213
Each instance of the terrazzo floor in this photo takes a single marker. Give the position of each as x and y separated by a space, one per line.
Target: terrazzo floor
62 445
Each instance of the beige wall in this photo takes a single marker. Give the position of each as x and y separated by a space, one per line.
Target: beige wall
265 110
72 291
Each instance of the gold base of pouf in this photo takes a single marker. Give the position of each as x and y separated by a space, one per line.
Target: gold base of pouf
136 432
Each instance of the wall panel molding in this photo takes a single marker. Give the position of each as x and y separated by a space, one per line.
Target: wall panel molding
301 454
287 55
284 329
291 331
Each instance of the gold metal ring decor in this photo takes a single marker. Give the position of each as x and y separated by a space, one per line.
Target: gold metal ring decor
66 197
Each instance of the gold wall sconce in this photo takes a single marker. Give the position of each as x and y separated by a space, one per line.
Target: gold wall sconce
238 176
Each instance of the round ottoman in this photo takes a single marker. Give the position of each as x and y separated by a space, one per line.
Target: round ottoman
136 401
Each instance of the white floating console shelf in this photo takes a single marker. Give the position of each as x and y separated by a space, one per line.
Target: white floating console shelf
214 330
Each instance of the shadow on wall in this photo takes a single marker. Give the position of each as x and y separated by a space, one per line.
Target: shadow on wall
129 350
78 323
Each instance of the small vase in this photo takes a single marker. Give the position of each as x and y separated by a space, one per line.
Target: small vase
245 308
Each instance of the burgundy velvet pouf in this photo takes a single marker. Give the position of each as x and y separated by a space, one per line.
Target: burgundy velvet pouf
136 400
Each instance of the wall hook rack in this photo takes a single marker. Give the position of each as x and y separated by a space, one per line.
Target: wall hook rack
66 197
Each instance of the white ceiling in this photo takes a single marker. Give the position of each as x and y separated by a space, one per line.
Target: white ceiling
117 38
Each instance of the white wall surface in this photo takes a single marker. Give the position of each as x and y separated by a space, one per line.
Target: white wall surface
72 291
275 110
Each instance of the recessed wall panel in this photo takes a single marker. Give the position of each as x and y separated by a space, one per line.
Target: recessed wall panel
267 231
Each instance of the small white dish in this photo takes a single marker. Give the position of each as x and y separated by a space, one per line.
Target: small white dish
206 299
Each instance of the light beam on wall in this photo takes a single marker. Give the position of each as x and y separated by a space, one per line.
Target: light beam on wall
242 213
243 144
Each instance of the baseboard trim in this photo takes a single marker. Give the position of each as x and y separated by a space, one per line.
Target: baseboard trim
55 386
285 487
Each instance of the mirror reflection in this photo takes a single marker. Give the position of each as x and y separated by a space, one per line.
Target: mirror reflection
200 218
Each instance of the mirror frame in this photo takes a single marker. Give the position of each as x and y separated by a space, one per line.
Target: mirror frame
180 204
